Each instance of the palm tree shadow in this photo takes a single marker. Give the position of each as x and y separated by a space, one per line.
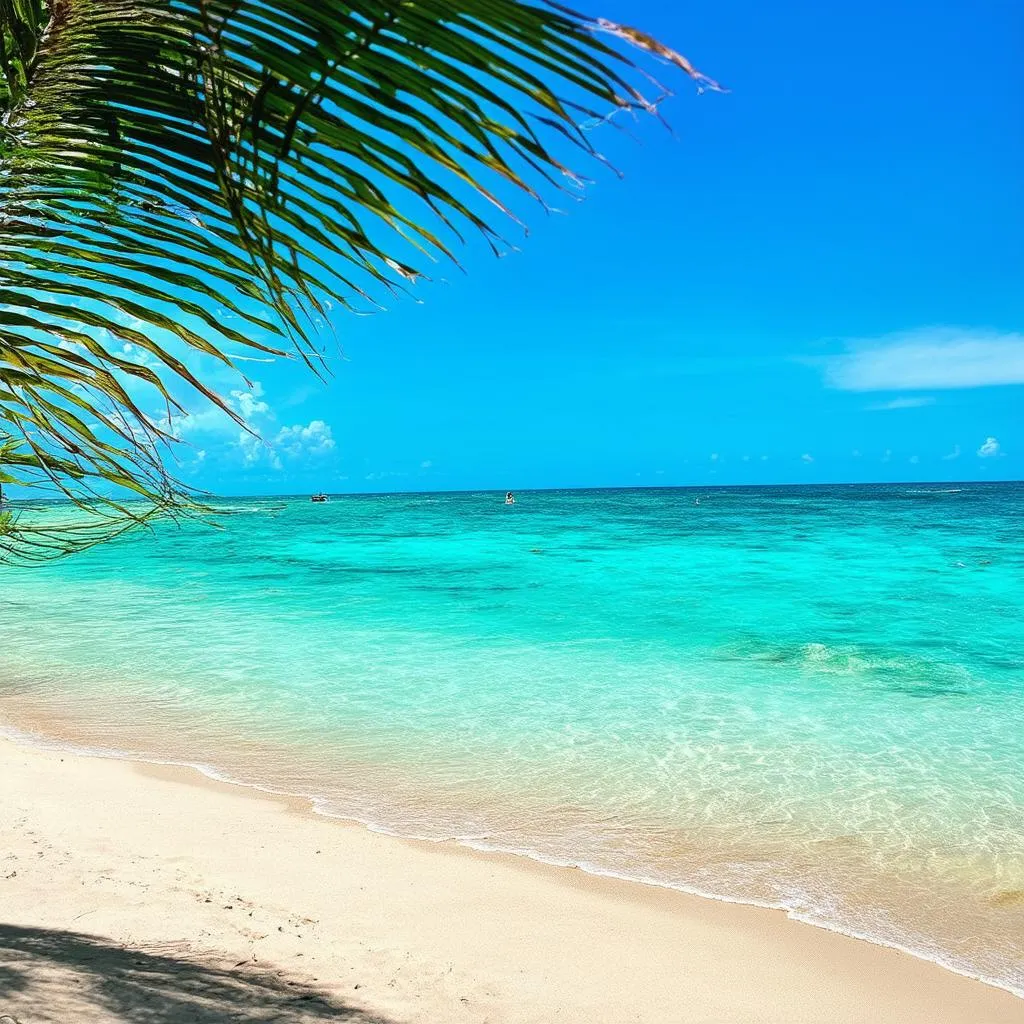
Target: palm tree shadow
49 976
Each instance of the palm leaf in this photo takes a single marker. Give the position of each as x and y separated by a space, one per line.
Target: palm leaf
206 176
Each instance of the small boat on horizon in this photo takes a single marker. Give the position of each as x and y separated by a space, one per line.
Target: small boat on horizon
319 499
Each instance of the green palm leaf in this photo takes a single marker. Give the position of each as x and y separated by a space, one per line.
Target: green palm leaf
207 176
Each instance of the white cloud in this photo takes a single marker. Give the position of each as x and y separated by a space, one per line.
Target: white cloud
254 449
764 458
249 403
807 458
902 403
296 442
989 449
212 420
929 358
914 460
313 439
954 454
251 447
714 456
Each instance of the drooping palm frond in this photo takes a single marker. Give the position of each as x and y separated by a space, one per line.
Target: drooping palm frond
206 177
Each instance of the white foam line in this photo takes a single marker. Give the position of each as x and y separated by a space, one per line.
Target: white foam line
320 806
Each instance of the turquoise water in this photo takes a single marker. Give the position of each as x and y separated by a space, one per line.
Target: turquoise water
811 698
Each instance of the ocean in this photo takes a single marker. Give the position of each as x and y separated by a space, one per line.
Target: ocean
808 698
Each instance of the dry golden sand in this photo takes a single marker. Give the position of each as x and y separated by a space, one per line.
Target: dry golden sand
152 895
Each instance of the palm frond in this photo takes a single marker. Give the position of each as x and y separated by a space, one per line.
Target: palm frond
183 177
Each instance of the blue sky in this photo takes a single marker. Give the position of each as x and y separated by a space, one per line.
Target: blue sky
817 279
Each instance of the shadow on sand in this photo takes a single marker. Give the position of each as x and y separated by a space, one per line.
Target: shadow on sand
49 976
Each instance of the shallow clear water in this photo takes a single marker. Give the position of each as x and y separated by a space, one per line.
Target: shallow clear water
806 697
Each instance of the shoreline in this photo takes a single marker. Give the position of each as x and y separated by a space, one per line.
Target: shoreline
200 774
646 948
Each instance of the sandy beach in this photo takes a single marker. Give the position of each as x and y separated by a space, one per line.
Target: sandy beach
142 893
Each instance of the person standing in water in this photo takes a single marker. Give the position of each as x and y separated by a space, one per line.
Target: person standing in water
510 498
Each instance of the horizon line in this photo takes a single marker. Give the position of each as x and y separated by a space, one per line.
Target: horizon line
208 495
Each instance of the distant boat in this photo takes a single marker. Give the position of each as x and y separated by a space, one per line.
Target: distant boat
320 498
510 498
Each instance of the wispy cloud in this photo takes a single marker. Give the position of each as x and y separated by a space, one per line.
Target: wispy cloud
714 456
888 455
930 358
989 449
426 464
902 403
806 458
954 454
914 460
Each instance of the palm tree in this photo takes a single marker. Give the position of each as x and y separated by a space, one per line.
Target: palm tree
188 182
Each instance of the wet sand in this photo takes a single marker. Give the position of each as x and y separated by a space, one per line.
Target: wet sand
140 893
